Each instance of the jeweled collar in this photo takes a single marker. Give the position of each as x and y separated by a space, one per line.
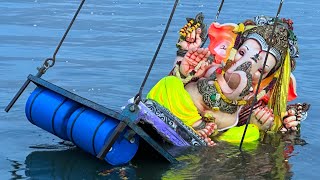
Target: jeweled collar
213 97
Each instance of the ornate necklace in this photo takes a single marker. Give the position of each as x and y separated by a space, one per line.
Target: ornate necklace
215 99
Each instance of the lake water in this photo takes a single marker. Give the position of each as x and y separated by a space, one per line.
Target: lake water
105 58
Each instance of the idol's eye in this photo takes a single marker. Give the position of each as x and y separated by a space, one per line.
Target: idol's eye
255 58
241 52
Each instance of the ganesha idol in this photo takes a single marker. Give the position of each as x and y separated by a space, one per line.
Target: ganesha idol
208 87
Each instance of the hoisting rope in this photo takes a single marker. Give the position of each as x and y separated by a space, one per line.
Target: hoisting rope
49 62
260 78
215 20
137 97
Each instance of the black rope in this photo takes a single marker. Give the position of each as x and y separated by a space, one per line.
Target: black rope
217 16
49 62
137 98
260 78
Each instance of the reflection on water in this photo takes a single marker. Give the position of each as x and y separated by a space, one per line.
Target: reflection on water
17 168
269 160
67 164
76 164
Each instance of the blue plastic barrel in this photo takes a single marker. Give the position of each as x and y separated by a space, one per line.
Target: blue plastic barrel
90 129
50 111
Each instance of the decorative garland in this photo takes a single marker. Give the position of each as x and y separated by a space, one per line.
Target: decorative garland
190 75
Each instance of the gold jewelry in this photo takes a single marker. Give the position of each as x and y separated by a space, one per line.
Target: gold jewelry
234 102
209 118
212 98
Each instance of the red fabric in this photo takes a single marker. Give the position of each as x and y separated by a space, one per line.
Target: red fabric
292 95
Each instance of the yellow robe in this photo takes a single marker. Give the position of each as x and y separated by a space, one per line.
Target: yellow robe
171 94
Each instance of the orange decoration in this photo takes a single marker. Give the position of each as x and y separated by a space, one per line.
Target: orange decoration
222 39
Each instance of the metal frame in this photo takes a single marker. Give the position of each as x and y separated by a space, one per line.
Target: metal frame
129 116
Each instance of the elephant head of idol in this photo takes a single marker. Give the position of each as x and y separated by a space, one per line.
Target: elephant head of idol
237 83
247 66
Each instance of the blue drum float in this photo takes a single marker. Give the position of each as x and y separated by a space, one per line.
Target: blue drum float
85 127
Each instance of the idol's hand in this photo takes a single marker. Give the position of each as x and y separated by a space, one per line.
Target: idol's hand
294 115
263 117
192 40
195 60
207 131
290 121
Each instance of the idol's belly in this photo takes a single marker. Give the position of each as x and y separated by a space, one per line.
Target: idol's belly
222 119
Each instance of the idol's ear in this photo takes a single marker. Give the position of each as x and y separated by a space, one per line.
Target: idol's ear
292 92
